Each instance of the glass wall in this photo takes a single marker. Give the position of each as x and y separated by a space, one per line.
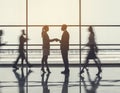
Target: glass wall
100 12
13 19
13 12
53 13
103 15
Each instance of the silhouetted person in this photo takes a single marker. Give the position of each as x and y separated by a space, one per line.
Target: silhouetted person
46 48
92 53
93 83
1 44
21 51
45 83
1 34
21 79
64 46
65 84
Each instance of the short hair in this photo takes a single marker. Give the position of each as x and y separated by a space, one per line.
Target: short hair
23 31
64 26
45 27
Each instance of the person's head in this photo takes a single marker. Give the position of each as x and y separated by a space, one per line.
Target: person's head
45 28
64 27
23 32
90 29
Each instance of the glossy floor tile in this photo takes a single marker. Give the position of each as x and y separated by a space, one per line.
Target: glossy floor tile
34 81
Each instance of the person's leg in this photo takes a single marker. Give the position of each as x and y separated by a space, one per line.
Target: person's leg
42 64
65 61
46 63
99 62
98 66
26 59
84 66
16 62
22 60
65 57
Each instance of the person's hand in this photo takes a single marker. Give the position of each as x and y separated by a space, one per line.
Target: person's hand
56 39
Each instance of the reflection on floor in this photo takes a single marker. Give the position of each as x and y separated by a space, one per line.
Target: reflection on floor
34 81
108 82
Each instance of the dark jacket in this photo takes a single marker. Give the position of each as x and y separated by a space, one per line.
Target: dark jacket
46 41
64 41
22 40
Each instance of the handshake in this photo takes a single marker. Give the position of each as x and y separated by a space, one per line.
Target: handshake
56 39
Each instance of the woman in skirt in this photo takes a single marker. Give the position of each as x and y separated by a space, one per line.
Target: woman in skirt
93 50
46 48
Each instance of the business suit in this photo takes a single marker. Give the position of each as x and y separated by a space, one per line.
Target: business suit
64 46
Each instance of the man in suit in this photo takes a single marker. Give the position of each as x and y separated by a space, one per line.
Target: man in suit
64 46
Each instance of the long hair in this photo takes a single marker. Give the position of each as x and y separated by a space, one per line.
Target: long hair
44 29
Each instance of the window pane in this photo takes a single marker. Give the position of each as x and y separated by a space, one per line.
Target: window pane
103 35
8 52
35 54
53 12
13 12
96 12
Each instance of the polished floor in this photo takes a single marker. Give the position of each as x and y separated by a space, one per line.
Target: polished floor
34 81
107 82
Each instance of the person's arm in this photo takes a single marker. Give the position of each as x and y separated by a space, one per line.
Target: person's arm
51 40
55 39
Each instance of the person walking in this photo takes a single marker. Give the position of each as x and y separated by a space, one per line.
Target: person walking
21 51
93 50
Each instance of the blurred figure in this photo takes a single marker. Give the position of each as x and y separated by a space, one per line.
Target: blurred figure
1 34
1 44
64 46
21 79
93 83
65 84
44 83
21 51
46 48
93 50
